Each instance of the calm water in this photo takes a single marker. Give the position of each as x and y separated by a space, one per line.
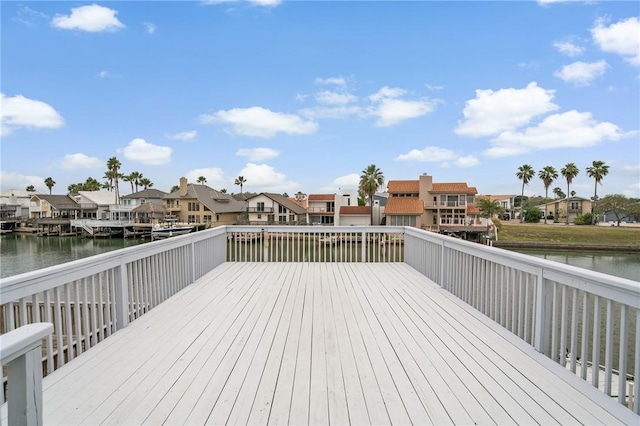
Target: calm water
625 265
23 253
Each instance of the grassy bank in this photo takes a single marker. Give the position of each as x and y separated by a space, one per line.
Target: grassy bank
556 234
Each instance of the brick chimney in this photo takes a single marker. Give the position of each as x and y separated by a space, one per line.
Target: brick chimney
183 186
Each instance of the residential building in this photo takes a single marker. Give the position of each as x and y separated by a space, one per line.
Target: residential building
505 201
14 204
558 208
195 203
95 204
53 207
146 206
355 215
325 209
269 208
425 204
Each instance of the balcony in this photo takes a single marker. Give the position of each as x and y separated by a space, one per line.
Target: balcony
260 209
328 325
320 210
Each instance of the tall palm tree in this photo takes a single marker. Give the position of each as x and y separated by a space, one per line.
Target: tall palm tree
127 178
50 183
569 172
525 174
548 174
91 184
201 180
597 171
30 188
135 177
109 176
489 208
371 180
113 165
240 181
146 183
558 193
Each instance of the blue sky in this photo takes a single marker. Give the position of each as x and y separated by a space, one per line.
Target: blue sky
302 96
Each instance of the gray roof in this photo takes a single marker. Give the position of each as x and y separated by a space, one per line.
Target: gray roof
59 202
285 202
149 208
214 200
244 196
146 193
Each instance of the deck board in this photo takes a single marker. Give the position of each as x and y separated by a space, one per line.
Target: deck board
315 343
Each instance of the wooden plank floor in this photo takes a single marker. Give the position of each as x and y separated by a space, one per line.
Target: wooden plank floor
296 343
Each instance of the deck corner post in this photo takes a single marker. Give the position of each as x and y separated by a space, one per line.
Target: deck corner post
364 246
25 377
122 296
541 314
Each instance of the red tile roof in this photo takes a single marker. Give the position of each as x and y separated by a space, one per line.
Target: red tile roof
322 197
403 186
401 205
472 209
496 197
459 187
355 210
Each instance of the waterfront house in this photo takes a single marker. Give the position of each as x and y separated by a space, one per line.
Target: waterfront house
53 207
558 208
145 206
269 208
14 205
356 215
505 201
325 209
94 204
422 203
195 203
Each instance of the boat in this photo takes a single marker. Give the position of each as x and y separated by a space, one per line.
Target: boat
169 230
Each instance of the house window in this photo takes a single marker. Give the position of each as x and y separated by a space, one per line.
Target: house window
260 207
271 218
292 218
469 199
331 206
207 218
259 216
191 218
575 205
217 218
282 219
403 220
281 209
194 207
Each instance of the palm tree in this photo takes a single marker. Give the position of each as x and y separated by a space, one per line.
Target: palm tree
113 165
371 180
558 193
31 188
548 174
569 172
50 183
240 181
174 188
489 208
597 171
201 180
91 184
135 178
525 174
223 191
145 183
127 178
109 176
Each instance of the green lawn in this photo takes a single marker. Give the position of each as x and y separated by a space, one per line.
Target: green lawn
570 234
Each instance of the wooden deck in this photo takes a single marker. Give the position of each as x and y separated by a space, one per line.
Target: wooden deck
317 343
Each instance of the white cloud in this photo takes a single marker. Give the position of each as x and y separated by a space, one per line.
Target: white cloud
103 74
631 170
568 48
335 98
350 181
28 16
149 27
264 3
391 110
434 154
18 111
214 175
261 122
571 129
432 87
81 161
19 181
336 81
582 73
331 112
257 154
92 18
493 112
146 153
264 178
547 2
621 38
184 136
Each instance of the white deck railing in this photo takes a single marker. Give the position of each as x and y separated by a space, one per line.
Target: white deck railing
556 308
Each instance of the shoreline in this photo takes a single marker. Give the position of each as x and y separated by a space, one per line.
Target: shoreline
567 246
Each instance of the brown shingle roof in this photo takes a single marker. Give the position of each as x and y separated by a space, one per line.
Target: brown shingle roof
400 205
355 210
454 187
403 186
322 197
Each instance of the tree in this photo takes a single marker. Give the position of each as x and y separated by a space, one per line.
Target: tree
557 191
201 180
371 180
489 208
113 165
31 188
174 188
548 174
146 183
135 177
90 184
223 191
50 183
240 181
110 177
569 172
127 178
597 171
621 206
525 173
532 215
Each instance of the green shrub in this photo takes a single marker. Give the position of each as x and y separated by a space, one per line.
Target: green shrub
532 215
583 219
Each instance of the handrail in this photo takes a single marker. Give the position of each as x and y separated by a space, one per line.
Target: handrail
21 351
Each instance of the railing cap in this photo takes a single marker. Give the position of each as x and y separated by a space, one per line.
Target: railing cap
19 341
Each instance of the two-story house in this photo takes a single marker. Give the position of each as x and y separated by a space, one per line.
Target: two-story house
505 201
327 209
146 206
425 204
269 208
557 209
195 203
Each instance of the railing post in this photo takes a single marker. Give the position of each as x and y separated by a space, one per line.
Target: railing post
265 244
122 296
193 262
364 246
444 265
541 315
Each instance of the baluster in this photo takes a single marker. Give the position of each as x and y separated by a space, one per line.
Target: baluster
574 329
57 317
584 351
623 350
563 328
77 317
608 354
595 355
49 338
